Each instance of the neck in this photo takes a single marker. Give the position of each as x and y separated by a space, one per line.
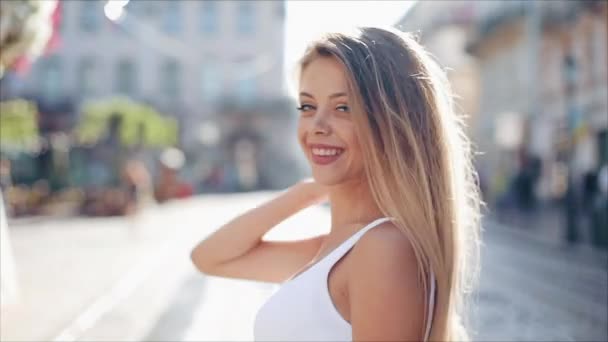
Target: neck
352 204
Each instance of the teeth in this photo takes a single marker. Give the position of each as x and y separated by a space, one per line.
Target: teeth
325 151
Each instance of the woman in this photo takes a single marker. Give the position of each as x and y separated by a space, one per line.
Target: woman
384 146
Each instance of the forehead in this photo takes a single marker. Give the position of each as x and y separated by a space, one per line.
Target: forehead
323 75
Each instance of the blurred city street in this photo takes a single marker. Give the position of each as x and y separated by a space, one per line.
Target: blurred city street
131 279
131 129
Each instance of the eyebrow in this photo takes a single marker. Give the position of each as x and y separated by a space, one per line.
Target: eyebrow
340 94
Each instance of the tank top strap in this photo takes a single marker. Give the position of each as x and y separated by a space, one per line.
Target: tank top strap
339 252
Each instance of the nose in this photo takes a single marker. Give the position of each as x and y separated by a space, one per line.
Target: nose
320 124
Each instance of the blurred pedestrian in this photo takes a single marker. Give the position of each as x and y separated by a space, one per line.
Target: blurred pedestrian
213 180
600 208
37 197
137 184
590 189
387 150
525 182
5 174
170 186
602 180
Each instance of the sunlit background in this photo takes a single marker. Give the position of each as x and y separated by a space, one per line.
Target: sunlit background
129 130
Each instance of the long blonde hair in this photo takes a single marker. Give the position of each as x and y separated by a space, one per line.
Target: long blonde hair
417 159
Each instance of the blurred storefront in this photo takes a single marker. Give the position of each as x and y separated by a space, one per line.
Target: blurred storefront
532 78
523 49
214 67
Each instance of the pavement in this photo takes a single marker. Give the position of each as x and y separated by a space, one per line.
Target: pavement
546 223
532 291
131 279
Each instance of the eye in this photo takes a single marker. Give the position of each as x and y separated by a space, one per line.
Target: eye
305 108
343 108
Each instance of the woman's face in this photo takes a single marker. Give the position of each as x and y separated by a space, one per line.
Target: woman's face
326 130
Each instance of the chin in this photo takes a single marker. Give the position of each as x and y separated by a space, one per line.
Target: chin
337 177
328 178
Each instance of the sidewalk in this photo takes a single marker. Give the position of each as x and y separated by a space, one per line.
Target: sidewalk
72 272
131 280
546 227
62 265
545 223
534 291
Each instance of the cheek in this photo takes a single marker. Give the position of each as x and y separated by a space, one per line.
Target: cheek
357 149
356 153
352 140
301 133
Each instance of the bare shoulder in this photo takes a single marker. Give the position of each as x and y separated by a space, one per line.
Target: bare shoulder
385 297
386 245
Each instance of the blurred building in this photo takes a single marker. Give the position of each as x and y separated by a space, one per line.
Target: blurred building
543 88
216 66
443 28
531 76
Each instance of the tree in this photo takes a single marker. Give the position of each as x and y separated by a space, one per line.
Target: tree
18 126
139 124
25 29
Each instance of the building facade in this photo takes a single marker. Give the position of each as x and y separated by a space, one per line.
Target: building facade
213 65
543 86
443 27
183 56
531 77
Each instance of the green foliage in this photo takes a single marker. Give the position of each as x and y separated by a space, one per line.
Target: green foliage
18 126
156 129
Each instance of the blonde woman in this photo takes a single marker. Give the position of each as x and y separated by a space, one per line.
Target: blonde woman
386 149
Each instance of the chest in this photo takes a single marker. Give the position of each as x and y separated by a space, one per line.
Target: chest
337 287
313 305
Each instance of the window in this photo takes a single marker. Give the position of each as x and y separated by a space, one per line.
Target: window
170 77
172 20
143 8
245 90
136 7
211 82
86 76
280 9
126 77
209 16
151 9
245 18
90 15
50 78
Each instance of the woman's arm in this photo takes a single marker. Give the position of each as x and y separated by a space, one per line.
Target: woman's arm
237 250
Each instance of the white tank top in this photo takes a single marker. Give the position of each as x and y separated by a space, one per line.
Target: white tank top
302 308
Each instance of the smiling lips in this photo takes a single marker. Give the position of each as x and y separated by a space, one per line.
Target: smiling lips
325 154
